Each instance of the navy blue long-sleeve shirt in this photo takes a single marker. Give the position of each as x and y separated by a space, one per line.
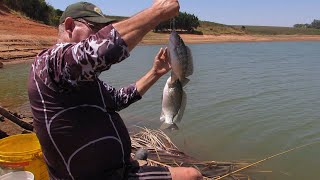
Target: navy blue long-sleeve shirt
75 114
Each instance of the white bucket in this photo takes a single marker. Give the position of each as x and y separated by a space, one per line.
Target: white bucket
18 175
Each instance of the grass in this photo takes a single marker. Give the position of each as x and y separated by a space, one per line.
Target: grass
118 18
162 152
211 28
271 30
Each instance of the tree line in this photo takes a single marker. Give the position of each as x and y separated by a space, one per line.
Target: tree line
315 24
36 9
41 11
184 21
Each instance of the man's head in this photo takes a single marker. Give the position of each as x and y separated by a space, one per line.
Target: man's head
80 20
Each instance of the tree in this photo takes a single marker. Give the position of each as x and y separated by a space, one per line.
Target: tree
315 24
301 25
183 21
36 9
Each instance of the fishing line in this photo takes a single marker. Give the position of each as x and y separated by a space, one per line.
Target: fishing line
258 162
173 24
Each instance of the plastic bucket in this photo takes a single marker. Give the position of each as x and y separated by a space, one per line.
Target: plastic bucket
19 175
23 153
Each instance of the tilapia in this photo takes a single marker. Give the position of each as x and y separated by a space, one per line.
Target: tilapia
174 101
180 58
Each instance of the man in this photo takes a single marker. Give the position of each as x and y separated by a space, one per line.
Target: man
81 134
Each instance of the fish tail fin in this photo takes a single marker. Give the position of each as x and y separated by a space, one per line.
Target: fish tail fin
172 126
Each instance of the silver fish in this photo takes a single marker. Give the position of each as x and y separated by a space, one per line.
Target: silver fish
180 57
174 101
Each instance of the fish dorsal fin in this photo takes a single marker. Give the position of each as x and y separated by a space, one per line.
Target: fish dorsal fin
178 117
190 62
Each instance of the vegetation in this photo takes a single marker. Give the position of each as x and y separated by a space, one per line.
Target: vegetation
162 152
315 24
212 28
270 30
118 18
36 9
184 22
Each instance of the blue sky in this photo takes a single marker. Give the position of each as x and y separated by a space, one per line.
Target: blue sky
231 12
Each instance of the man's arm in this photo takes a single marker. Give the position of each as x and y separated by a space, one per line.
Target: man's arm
135 28
123 97
72 63
160 67
84 60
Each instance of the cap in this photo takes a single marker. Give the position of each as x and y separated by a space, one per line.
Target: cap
86 11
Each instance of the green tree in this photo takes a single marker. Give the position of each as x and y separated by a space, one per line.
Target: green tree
301 25
36 9
315 24
183 21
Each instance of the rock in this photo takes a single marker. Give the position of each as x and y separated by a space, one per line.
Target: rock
141 154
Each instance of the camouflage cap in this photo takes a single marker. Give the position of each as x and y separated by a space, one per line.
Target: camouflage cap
86 11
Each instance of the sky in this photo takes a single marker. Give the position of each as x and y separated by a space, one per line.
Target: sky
231 12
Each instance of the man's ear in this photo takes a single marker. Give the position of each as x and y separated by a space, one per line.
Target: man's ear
69 26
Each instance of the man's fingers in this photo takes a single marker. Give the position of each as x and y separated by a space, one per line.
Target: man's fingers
167 56
165 51
160 53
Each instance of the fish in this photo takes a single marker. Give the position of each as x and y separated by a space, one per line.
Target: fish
180 58
174 101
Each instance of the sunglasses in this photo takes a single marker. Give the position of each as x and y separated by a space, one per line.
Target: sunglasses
93 27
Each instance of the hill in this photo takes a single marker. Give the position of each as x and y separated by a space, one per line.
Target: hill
22 38
272 30
212 28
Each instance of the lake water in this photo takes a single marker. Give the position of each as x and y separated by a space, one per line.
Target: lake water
246 101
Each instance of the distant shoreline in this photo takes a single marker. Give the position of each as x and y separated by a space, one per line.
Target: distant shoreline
21 38
212 39
162 39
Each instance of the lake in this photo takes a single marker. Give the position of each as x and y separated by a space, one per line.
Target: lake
245 102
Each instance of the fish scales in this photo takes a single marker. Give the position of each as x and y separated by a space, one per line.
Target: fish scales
174 98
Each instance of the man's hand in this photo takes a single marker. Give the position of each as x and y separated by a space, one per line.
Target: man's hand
133 29
167 8
161 64
160 67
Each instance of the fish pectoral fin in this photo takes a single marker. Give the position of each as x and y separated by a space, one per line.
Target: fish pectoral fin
184 82
190 62
174 77
169 126
178 117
